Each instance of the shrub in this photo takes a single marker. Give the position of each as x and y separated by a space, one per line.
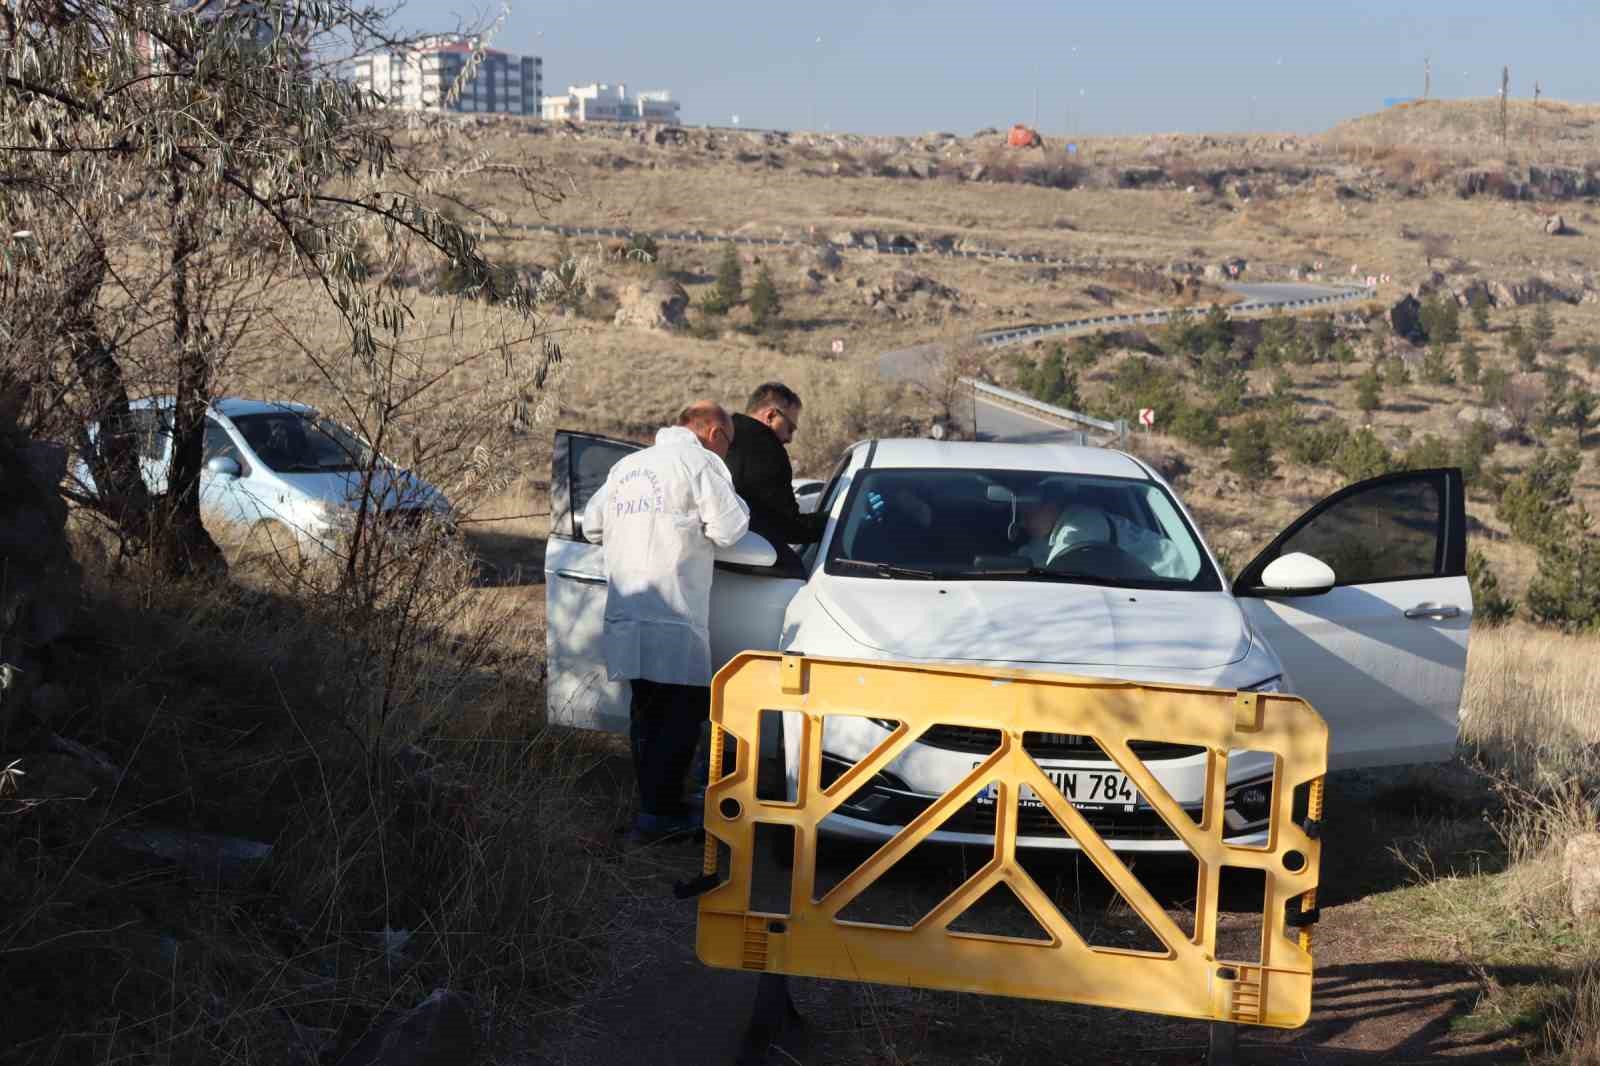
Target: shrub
1362 455
1479 306
1566 590
729 289
1316 445
1436 366
1495 383
1140 382
1475 446
1441 319
1198 425
1543 328
643 248
765 304
1489 606
1250 451
1534 504
1369 391
1427 454
1050 379
1471 363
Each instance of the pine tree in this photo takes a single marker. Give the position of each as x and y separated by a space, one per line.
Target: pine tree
1581 404
765 304
1471 363
1566 590
1369 391
1435 367
1480 310
1544 325
729 289
1489 607
1250 451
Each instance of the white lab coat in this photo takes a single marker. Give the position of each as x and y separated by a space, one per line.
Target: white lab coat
659 514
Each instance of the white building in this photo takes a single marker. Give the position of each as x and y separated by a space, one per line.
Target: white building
419 78
610 103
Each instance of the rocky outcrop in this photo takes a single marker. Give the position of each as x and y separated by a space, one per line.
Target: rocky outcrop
1405 318
653 305
1532 290
1498 421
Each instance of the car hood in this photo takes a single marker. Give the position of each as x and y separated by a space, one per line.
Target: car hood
1038 622
390 488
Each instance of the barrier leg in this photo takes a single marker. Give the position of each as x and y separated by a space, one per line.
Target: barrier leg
772 1013
1224 1050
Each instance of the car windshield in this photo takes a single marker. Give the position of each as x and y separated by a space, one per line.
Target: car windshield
1018 525
291 442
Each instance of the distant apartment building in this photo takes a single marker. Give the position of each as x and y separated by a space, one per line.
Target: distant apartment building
610 103
419 78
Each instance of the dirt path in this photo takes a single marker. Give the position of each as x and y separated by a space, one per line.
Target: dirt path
1375 1001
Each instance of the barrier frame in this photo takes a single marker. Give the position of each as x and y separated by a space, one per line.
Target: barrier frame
1188 979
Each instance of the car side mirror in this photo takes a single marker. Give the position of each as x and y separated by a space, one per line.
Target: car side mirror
1297 574
224 465
752 549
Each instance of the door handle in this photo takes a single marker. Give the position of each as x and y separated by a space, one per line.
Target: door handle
1431 610
582 579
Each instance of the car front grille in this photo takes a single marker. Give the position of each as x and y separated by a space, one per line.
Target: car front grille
1047 745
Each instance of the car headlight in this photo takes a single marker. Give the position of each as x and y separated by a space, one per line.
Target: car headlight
1271 684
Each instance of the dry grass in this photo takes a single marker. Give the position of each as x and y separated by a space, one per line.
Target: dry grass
1528 715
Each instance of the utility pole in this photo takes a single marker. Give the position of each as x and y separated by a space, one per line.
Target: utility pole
1535 116
1504 93
1427 76
1035 107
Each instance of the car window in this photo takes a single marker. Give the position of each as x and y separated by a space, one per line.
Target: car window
578 470
1017 525
1390 531
829 493
152 432
218 443
293 442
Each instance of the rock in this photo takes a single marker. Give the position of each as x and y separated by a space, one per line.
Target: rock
902 244
1472 291
811 281
1100 295
210 857
1498 421
436 1032
922 168
975 172
653 305
826 257
1580 870
902 282
1555 225
1405 318
1529 291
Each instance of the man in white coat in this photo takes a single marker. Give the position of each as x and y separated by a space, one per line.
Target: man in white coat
659 515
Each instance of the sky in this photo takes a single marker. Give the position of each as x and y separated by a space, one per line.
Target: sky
1135 66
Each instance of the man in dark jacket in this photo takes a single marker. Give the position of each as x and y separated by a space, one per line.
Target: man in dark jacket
763 475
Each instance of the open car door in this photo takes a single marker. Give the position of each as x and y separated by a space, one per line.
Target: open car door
577 691
1383 653
749 594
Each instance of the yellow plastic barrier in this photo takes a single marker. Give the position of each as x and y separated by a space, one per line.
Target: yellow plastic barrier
1186 979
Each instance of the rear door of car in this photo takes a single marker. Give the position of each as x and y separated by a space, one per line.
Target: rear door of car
1383 654
577 690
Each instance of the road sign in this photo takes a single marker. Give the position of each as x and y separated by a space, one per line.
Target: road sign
1147 416
1317 265
838 346
1372 281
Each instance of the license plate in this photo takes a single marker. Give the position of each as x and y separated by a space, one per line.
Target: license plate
1087 790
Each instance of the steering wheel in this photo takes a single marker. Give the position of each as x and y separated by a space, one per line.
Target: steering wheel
1100 558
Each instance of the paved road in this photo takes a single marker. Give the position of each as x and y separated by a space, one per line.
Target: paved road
986 419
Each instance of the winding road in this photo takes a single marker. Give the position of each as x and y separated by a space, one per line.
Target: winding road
989 418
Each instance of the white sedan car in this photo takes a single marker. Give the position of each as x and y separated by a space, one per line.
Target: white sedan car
1077 560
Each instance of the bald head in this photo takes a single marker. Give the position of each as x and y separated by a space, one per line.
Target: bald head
707 420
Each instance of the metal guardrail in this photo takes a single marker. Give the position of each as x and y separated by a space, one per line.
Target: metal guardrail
1118 429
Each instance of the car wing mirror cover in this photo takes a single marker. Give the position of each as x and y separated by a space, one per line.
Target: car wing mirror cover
1297 574
225 465
752 549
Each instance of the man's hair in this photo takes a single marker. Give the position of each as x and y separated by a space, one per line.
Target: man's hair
772 394
702 414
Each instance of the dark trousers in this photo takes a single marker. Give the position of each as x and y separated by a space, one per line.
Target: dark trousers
665 727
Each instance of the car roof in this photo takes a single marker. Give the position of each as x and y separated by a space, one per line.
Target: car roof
981 455
231 406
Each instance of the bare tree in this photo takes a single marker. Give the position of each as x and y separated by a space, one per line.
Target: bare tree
1505 95
1436 246
170 167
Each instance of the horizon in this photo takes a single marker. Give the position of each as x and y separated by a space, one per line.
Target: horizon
1255 67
